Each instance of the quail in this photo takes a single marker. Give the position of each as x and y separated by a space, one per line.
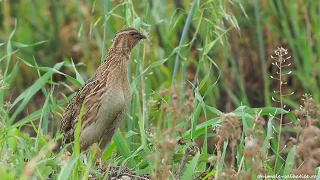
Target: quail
105 97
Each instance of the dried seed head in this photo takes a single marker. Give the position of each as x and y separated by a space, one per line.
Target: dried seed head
3 84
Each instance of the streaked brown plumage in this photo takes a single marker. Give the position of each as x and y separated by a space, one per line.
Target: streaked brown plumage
106 96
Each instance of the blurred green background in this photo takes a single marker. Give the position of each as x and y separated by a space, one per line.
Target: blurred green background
239 36
201 58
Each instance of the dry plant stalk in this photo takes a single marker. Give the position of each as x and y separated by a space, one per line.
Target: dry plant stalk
165 144
307 156
256 158
30 166
191 150
165 140
280 62
230 130
179 110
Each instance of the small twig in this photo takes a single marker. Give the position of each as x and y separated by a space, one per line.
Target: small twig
279 62
183 163
240 166
218 158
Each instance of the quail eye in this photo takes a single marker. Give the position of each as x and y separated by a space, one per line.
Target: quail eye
132 34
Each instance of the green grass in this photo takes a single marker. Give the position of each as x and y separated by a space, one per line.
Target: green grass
204 69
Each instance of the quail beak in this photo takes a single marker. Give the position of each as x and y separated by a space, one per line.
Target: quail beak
142 36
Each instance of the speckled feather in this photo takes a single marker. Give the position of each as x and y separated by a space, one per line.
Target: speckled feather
106 96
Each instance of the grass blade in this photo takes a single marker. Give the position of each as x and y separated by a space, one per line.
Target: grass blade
289 161
191 167
123 148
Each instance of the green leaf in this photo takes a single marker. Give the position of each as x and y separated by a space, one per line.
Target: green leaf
66 170
182 39
153 65
78 76
214 110
268 136
123 148
191 167
77 133
195 120
26 95
289 161
203 157
138 22
225 144
204 80
76 82
210 124
21 45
